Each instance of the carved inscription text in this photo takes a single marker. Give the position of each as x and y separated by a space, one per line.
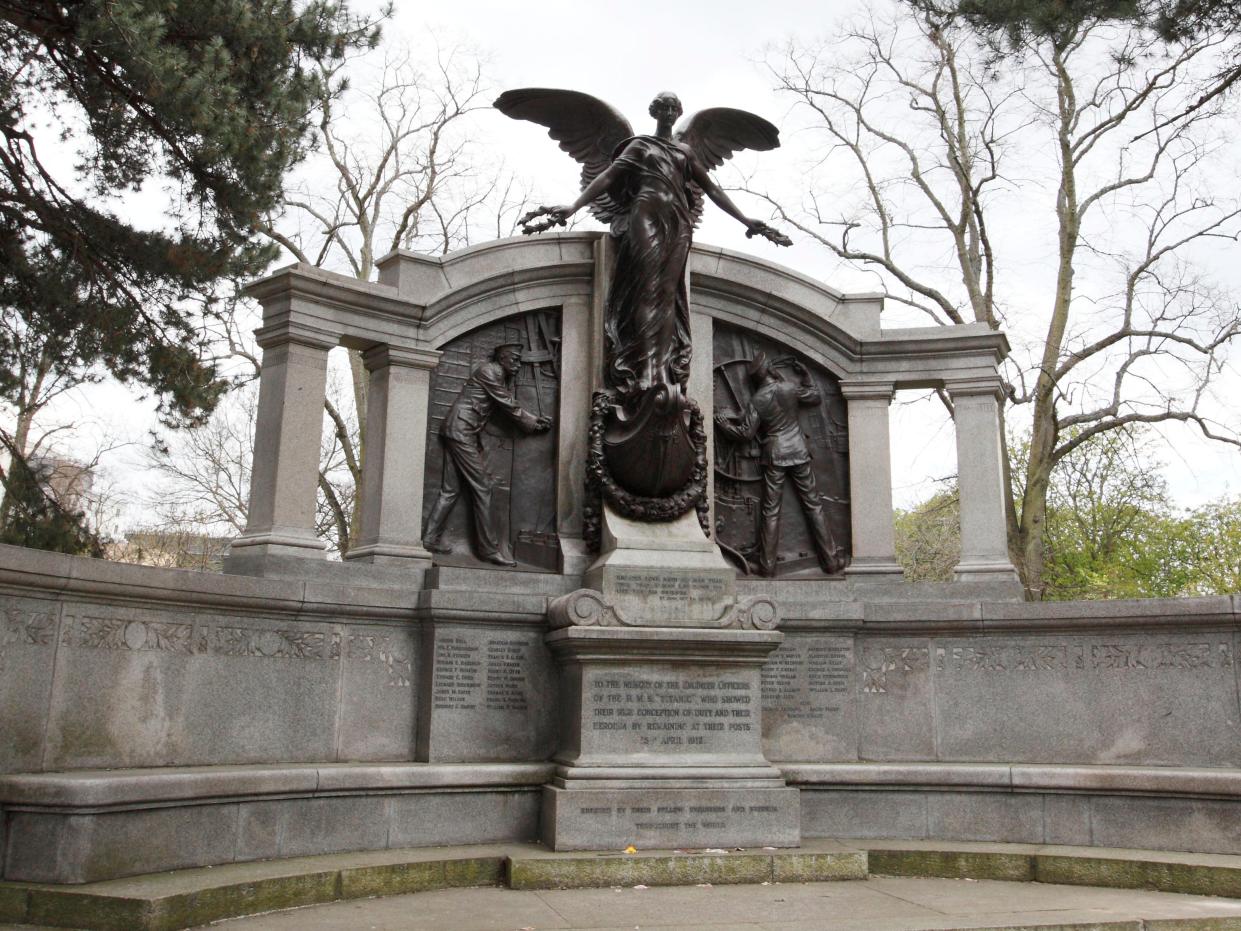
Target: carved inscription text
490 674
806 681
679 817
1101 657
660 712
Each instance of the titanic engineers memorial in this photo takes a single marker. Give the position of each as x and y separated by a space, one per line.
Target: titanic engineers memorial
625 579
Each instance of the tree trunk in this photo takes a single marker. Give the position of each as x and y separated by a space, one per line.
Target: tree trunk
26 413
1045 428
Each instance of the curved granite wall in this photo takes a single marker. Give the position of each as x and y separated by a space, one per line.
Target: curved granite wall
155 719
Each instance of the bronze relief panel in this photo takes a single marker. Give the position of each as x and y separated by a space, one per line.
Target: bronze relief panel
491 446
781 459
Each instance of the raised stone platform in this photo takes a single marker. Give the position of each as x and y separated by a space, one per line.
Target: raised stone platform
88 826
162 719
188 898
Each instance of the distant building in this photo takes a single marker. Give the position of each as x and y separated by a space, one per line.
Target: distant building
68 481
172 549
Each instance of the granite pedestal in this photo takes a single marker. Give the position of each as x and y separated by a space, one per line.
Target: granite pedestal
661 702
661 742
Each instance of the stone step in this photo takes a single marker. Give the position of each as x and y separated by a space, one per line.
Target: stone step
1162 870
815 861
188 898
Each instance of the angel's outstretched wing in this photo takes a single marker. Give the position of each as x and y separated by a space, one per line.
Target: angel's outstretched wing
715 134
585 126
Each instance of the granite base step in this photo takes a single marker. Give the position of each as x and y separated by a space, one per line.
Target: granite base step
182 899
814 861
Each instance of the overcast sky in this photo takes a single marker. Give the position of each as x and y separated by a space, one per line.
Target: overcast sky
711 55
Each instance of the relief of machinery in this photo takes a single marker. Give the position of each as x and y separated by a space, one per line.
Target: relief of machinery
781 460
491 449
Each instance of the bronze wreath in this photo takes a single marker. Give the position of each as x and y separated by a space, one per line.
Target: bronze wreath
602 487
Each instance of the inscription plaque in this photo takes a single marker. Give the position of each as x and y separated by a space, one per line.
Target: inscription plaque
674 597
458 674
654 818
651 713
489 675
489 696
808 701
507 688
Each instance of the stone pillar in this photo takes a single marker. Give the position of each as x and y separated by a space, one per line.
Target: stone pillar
581 355
573 430
870 482
980 481
285 473
396 453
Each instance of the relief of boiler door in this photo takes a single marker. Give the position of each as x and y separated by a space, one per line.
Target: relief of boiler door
738 469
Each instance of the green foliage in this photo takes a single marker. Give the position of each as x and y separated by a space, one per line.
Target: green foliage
928 538
1021 20
1110 533
209 96
1212 543
30 516
1112 529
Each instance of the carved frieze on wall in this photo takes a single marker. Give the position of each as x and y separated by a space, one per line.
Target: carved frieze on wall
491 447
781 443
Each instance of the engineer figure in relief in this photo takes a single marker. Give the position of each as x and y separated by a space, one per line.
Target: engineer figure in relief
772 416
488 389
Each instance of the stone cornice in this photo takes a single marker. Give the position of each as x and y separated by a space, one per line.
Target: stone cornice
980 386
867 390
380 357
95 790
1020 777
331 289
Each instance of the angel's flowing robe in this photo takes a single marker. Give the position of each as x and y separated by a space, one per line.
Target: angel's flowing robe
647 321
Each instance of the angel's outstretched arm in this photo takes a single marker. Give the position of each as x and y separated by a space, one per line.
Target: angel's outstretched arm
704 180
602 182
559 214
717 194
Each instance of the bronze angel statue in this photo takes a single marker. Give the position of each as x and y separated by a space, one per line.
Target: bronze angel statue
650 189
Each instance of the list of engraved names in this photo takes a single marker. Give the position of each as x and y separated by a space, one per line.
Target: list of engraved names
488 674
807 679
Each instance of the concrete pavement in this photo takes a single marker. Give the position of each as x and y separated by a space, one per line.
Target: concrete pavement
876 904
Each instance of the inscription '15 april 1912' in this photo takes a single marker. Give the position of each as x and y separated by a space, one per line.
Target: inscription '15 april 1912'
670 713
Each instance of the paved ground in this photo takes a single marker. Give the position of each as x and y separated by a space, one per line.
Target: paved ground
869 905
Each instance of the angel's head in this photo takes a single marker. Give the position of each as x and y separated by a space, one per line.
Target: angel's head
666 107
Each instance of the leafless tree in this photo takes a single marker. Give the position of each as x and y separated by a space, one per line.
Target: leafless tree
203 473
1090 137
397 168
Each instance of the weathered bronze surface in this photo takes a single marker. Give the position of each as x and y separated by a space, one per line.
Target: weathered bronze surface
493 397
781 459
648 449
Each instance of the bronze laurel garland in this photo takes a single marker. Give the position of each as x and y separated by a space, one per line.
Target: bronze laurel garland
600 485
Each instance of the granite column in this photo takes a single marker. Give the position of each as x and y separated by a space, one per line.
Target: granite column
870 481
980 481
285 472
396 439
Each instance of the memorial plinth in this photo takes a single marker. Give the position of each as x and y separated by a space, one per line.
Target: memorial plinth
661 706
